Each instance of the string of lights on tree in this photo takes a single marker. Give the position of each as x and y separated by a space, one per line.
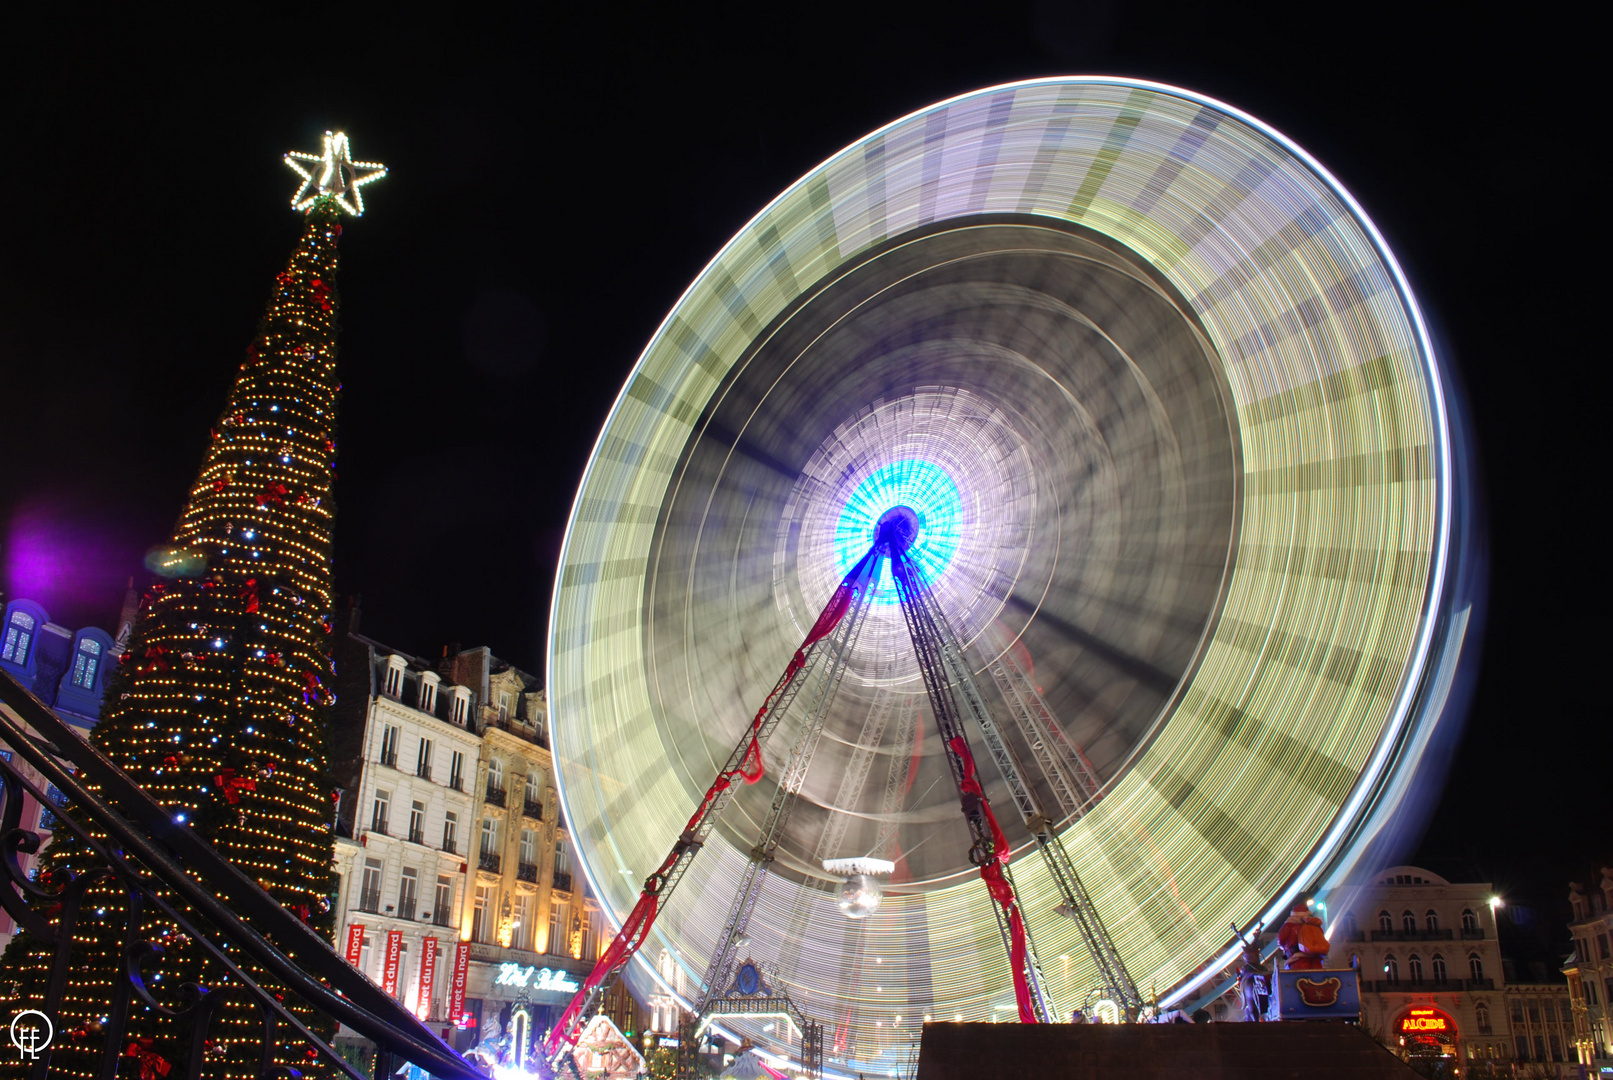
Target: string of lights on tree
221 699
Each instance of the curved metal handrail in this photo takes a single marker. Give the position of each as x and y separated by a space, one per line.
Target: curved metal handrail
178 859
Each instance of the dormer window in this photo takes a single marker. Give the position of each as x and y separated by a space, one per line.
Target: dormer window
19 641
428 692
86 663
394 676
461 705
503 707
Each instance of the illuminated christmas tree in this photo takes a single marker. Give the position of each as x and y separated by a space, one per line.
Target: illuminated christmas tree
219 707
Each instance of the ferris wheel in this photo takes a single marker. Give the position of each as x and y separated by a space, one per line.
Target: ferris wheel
1126 392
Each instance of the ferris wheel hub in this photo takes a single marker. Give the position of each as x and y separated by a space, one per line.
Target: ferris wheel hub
897 528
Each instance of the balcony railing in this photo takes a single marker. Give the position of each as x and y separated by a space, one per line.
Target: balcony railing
1412 935
369 900
161 875
440 915
525 730
406 907
527 872
533 809
456 782
416 836
449 846
489 861
1476 934
495 795
562 881
379 825
389 758
423 770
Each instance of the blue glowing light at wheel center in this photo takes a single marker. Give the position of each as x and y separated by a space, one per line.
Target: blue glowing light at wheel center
922 487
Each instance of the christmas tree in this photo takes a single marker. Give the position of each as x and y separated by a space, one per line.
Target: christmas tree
219 707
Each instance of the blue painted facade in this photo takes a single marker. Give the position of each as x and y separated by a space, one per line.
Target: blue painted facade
66 670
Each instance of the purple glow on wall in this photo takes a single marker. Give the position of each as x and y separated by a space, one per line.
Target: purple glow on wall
65 557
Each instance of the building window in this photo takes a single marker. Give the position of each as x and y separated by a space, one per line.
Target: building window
1475 967
19 638
1350 928
557 927
1556 1047
1601 946
481 923
380 811
1470 921
422 763
1523 1048
408 893
1517 1014
1440 974
394 680
459 708
1408 922
1533 1006
503 708
456 771
86 662
450 833
428 695
445 900
495 775
489 836
523 922
1550 1012
1481 1014
534 788
1391 969
1414 967
369 897
364 955
1540 1048
1386 922
1431 920
389 745
529 847
417 822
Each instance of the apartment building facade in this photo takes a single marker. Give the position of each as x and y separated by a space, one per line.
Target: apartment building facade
1590 973
404 820
459 892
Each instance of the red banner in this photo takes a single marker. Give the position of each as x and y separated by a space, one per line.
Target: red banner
456 989
394 951
428 976
355 943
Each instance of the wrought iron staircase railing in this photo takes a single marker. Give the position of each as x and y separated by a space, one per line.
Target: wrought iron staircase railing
148 853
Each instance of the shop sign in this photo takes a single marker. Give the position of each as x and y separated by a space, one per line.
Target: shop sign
668 1040
355 943
428 974
394 954
456 989
536 978
1427 1022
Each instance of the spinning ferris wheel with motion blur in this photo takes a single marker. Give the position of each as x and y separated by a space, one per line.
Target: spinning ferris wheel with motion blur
1027 548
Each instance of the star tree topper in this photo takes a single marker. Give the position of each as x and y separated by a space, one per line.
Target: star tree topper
333 173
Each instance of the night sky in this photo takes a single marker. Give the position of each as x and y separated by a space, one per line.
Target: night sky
558 180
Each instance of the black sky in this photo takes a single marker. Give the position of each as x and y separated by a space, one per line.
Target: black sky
558 178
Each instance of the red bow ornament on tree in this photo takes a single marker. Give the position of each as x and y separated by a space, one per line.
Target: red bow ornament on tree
231 784
273 492
153 1066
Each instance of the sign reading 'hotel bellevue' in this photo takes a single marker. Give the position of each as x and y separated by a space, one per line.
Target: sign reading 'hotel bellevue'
536 978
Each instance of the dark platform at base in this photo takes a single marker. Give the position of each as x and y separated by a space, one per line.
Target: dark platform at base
1303 1051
